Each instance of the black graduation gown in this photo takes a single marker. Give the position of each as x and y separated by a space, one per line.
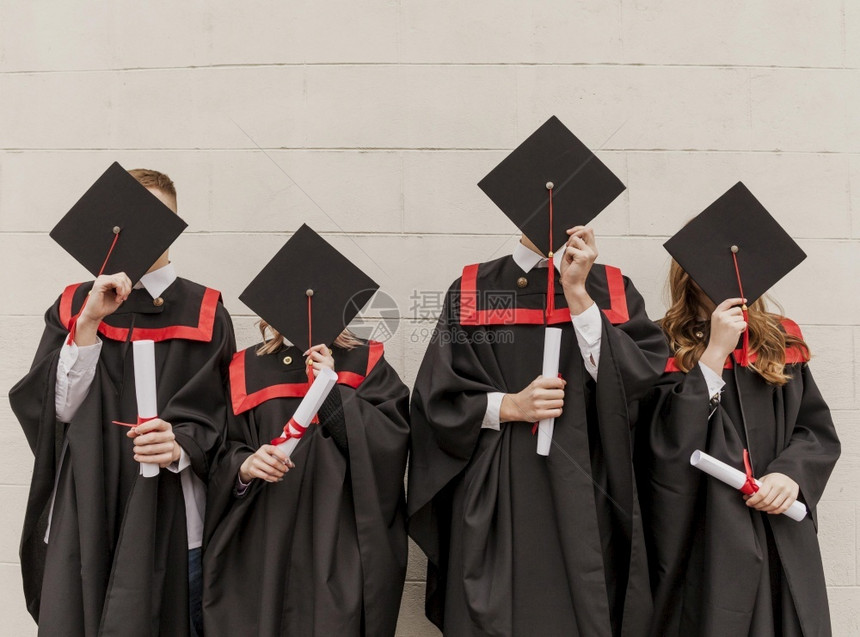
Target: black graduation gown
717 566
117 558
324 551
517 543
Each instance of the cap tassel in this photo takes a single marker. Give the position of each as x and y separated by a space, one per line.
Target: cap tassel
73 323
309 367
550 269
745 347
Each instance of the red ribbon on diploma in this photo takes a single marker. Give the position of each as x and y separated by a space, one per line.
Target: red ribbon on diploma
749 487
289 428
140 421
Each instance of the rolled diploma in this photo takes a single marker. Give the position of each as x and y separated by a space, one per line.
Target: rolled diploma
736 479
144 387
551 351
310 405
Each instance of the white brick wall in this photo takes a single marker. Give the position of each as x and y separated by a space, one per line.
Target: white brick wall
373 121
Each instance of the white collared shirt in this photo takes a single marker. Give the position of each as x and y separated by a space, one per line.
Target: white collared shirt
587 326
76 369
714 382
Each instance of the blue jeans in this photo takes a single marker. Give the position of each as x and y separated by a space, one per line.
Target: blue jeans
195 591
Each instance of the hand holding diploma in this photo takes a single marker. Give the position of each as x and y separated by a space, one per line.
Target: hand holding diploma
307 409
267 463
542 398
738 480
551 352
777 492
144 386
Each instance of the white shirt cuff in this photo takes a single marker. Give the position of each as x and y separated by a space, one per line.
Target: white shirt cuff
241 487
79 359
182 464
76 369
714 381
588 328
494 405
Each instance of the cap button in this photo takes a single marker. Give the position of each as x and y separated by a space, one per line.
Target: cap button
522 282
735 249
116 229
288 360
550 185
158 302
309 292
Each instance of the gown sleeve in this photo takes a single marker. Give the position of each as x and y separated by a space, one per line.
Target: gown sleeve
197 411
449 401
813 446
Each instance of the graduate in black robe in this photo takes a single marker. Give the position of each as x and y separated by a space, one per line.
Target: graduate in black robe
724 563
115 558
314 544
520 543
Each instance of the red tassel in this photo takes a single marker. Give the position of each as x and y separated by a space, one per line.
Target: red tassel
550 269
73 324
309 368
745 348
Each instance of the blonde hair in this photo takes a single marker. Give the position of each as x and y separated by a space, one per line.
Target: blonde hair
766 335
154 179
273 340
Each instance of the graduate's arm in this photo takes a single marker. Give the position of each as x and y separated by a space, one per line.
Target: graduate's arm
76 369
376 418
33 398
452 388
638 346
674 417
814 446
224 487
333 423
197 411
588 328
330 415
380 402
449 402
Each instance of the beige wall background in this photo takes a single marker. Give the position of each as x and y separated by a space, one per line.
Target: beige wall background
373 121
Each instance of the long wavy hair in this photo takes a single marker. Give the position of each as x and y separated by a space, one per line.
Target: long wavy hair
687 326
273 340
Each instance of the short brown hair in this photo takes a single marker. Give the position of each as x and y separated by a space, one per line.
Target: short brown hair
154 179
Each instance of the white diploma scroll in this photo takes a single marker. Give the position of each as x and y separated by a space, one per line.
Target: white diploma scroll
736 479
310 405
144 387
551 352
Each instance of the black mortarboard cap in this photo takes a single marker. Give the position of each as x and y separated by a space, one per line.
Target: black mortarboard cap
738 224
118 204
307 266
582 185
